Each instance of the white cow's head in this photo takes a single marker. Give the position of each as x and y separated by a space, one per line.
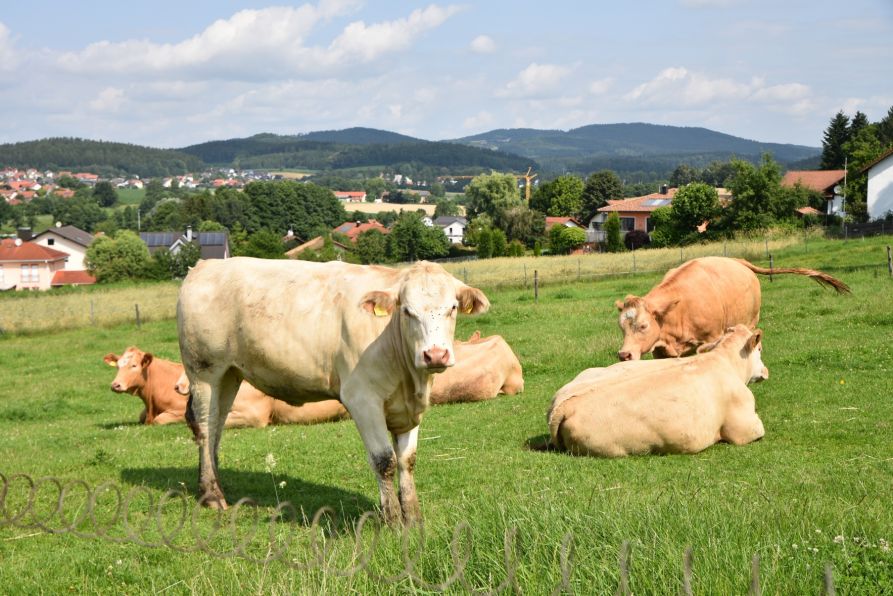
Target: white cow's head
749 345
424 304
640 323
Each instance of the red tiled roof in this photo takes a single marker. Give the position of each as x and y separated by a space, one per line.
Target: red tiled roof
808 211
551 221
28 251
644 204
72 278
353 229
818 180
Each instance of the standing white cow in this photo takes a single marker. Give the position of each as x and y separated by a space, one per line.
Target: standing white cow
302 331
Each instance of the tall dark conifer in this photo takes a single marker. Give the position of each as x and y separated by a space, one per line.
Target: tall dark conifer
836 136
885 129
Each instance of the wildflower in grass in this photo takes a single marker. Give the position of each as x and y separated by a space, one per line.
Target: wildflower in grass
817 531
885 546
794 546
270 462
282 484
838 539
842 382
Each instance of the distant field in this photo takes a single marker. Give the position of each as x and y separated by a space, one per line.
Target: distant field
293 175
397 207
130 196
815 492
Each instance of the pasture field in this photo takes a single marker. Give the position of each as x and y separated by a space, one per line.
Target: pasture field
814 492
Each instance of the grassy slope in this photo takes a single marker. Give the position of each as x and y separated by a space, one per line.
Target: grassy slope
823 470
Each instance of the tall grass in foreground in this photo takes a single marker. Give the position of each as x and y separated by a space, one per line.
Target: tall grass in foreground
814 491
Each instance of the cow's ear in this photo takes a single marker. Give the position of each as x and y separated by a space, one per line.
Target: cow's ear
147 360
619 305
110 359
754 340
472 301
474 336
379 303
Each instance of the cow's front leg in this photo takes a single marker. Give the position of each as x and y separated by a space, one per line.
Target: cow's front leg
409 500
368 414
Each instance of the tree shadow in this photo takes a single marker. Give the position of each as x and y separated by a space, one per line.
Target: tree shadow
306 497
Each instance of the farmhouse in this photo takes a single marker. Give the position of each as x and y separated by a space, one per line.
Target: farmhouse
568 222
879 195
453 227
350 196
316 244
635 213
821 181
353 229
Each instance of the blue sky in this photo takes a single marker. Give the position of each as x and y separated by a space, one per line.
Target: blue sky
170 74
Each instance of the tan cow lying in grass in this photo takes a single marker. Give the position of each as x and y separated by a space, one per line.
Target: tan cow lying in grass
695 303
485 367
161 385
663 406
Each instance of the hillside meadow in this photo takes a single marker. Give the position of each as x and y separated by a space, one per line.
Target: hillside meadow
813 494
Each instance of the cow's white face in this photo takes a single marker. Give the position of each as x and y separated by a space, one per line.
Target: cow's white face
758 371
640 328
130 365
426 305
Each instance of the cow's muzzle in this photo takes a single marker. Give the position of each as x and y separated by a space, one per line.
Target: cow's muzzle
624 356
436 357
117 387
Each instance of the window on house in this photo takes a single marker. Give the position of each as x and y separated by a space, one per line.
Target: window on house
627 224
649 225
51 241
30 274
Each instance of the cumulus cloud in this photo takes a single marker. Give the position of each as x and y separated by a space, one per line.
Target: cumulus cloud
479 121
8 56
483 44
601 86
259 44
108 100
679 87
536 79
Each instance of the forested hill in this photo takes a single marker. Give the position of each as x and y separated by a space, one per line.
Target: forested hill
359 136
637 142
100 157
269 151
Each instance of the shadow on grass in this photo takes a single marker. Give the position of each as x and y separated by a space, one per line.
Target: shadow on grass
114 425
259 486
540 443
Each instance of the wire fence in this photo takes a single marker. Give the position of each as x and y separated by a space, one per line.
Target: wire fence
74 507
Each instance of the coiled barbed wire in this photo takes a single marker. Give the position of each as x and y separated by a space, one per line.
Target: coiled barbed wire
28 516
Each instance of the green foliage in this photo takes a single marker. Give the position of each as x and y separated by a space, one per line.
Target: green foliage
309 210
758 198
863 148
613 239
79 211
374 187
372 247
211 226
562 197
599 188
115 259
885 129
692 205
563 239
475 227
485 243
411 240
491 194
835 137
522 224
446 207
262 244
105 194
499 243
515 249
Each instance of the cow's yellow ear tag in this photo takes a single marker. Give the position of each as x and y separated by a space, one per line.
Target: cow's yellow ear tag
379 311
467 310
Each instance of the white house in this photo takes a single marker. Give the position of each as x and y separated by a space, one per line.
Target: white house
453 227
879 195
70 240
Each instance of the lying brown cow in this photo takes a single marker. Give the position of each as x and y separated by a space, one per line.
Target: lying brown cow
485 367
663 406
695 303
159 383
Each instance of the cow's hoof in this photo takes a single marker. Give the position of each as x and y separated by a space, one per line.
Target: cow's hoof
213 501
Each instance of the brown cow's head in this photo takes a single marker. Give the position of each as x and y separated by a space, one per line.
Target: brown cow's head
131 365
425 303
640 323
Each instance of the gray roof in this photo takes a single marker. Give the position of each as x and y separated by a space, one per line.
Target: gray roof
76 235
214 245
445 220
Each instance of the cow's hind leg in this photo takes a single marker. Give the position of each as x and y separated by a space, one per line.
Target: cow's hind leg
742 424
409 500
209 404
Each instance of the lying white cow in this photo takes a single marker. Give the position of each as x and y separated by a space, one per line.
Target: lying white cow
371 335
663 406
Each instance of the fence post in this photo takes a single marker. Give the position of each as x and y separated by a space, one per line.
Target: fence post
771 267
137 308
525 276
536 286
681 255
890 261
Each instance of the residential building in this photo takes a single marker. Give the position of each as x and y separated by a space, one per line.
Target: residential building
213 245
316 244
879 192
30 266
70 240
353 229
350 196
635 213
453 227
568 222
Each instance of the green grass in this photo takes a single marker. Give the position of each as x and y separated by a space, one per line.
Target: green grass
130 196
823 471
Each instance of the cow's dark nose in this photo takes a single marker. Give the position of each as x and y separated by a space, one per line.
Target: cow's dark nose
624 356
436 357
116 386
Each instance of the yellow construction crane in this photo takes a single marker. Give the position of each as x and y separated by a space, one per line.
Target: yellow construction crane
528 180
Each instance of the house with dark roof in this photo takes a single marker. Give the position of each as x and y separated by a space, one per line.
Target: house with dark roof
879 192
213 245
352 229
453 227
30 266
70 240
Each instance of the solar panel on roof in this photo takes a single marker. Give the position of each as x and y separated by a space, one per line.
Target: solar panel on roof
657 202
211 238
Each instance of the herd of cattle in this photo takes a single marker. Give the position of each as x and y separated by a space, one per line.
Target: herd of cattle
299 342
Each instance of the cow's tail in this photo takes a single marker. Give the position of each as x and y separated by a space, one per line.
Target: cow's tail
821 278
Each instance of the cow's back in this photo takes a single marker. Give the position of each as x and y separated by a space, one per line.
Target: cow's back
713 293
291 328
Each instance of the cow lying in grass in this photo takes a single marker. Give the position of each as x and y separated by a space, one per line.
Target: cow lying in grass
695 303
162 386
663 406
485 367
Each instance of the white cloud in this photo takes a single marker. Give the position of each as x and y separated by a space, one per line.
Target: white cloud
480 121
259 44
601 86
483 44
536 79
8 55
108 100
